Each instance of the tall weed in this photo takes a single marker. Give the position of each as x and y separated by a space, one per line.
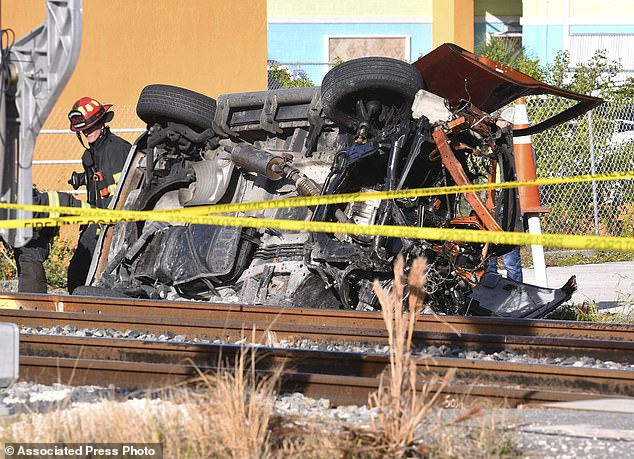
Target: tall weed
401 404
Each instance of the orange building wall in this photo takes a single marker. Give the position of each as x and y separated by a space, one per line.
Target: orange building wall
209 46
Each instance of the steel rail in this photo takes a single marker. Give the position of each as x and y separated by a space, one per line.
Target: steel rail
262 317
270 334
342 377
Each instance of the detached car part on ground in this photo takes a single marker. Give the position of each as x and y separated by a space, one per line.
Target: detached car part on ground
374 124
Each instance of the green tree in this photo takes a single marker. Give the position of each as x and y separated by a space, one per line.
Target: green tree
596 76
515 56
281 78
624 91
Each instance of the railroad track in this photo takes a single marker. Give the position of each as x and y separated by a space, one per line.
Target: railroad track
261 318
341 377
267 325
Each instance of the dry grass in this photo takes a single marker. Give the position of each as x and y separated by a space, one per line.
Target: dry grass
246 404
112 421
225 416
588 311
231 414
401 405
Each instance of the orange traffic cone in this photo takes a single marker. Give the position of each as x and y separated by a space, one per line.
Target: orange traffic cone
525 168
529 195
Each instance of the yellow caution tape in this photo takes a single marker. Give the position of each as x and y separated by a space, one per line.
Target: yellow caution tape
620 244
307 201
197 216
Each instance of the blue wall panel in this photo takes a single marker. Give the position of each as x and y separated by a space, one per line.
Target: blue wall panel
543 41
288 43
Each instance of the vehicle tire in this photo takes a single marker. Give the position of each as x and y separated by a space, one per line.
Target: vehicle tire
391 81
160 102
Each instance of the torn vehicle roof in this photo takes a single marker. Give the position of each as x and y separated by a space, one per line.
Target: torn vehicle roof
459 75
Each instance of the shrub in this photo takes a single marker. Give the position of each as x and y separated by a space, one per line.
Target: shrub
8 270
62 251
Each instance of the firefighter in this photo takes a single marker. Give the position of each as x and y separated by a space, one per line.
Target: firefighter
103 161
30 258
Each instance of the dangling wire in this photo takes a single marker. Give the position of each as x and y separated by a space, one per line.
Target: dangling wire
465 102
466 89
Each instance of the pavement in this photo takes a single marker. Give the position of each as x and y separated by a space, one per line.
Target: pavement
609 285
601 428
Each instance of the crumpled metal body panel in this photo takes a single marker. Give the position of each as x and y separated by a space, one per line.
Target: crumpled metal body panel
501 297
460 76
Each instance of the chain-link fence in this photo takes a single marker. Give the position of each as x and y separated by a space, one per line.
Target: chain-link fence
600 141
284 75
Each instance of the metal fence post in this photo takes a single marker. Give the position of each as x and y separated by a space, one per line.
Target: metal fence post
593 171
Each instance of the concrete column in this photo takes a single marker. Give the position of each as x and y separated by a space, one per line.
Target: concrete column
453 23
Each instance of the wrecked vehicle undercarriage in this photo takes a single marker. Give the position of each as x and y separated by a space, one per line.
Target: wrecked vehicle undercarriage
375 124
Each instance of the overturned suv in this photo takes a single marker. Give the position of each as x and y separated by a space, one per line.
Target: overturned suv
374 124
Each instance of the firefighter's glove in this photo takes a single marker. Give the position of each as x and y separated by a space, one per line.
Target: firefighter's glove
77 179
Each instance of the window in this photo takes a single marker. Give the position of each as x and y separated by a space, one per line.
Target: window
346 48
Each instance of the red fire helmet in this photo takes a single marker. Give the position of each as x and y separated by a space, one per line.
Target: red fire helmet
86 112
